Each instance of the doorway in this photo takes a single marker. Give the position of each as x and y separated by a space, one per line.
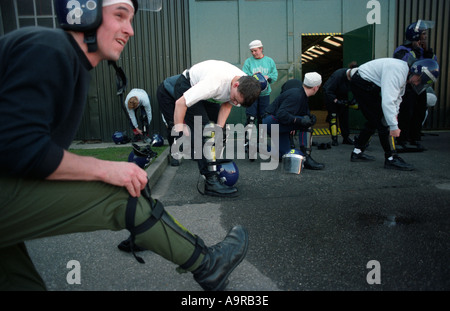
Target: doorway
322 53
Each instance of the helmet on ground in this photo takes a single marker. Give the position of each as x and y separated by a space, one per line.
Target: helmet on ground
295 151
427 70
157 140
293 162
262 80
120 138
414 30
141 155
142 162
228 173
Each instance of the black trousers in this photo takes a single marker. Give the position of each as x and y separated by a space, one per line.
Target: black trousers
368 96
341 112
167 107
412 113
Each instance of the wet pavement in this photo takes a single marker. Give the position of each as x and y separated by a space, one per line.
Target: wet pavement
349 227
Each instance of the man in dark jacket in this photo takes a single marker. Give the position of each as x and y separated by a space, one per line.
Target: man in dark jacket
47 190
290 111
336 91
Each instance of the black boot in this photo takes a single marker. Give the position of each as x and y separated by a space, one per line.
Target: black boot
417 147
221 259
310 164
361 157
347 141
214 187
334 141
398 163
174 162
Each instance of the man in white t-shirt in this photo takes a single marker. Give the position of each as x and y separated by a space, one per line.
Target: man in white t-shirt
210 89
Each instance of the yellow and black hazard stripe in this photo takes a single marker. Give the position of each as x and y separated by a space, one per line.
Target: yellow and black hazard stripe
322 34
323 132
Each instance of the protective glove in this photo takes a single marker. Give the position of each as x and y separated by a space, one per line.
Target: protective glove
305 121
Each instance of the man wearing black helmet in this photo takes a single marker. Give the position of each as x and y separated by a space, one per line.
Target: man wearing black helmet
49 191
414 106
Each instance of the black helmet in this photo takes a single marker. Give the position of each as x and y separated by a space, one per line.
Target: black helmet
81 15
414 30
84 16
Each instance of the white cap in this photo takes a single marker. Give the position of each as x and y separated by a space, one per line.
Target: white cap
111 2
312 79
255 44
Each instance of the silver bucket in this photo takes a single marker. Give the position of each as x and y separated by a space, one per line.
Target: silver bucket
293 163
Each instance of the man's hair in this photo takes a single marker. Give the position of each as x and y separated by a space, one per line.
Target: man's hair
133 103
250 88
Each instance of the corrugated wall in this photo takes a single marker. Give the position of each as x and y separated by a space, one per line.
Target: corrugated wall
160 48
409 11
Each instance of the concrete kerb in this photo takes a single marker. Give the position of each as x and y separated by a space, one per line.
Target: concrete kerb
157 167
154 171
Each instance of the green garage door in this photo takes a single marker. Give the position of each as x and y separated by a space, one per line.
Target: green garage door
359 46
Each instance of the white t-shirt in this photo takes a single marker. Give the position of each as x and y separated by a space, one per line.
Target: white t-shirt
390 74
211 80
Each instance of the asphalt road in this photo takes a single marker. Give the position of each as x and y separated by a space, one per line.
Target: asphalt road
317 231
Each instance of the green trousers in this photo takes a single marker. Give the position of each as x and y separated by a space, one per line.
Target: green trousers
31 209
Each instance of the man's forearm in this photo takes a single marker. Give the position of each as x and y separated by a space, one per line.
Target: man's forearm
117 173
180 113
224 112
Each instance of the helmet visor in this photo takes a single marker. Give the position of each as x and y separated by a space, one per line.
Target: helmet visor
150 5
422 25
425 80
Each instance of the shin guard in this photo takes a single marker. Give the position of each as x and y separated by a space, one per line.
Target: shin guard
333 127
162 234
305 141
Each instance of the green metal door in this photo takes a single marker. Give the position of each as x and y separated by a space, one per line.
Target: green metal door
359 46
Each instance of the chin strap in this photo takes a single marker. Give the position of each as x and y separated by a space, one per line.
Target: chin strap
121 78
90 38
121 82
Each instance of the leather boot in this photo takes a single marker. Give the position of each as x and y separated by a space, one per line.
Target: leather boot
334 141
398 163
214 187
347 141
311 164
221 259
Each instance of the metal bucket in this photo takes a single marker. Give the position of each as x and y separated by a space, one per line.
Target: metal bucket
293 163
